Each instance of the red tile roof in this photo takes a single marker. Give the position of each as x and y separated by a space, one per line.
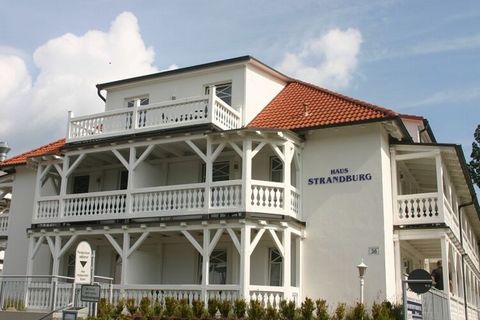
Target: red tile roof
51 148
302 105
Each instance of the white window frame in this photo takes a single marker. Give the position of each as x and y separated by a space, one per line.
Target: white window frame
270 263
227 98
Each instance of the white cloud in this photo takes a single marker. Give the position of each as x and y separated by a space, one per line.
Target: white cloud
328 60
453 96
68 69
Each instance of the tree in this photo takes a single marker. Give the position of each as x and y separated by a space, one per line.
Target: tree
474 166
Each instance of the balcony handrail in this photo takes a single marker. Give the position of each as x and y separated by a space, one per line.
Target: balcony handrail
165 103
226 183
266 288
92 194
269 183
49 198
226 106
417 195
170 188
158 286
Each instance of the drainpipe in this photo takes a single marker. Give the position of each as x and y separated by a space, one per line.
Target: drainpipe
464 281
99 93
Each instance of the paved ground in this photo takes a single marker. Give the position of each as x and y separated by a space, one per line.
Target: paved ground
20 315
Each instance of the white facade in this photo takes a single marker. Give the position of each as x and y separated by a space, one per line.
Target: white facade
178 196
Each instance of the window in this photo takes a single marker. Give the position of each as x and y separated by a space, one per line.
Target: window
223 91
142 115
217 272
275 267
220 171
123 180
71 265
276 169
80 184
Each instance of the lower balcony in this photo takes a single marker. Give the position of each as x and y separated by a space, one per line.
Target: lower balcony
189 199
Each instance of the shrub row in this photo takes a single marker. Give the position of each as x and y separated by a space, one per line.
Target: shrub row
172 309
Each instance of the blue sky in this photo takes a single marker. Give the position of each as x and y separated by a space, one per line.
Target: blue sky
416 57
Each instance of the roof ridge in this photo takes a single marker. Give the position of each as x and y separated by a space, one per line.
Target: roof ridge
366 104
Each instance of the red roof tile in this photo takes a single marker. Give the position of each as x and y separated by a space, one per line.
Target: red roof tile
51 148
303 105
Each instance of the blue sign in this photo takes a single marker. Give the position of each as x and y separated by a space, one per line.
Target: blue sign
340 175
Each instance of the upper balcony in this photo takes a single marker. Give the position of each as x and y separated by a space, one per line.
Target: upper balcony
185 112
183 175
429 187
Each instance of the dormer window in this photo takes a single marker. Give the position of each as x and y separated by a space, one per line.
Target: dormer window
224 92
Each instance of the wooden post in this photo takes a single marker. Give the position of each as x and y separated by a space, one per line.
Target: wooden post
287 263
63 186
245 262
126 246
439 169
205 264
398 268
446 283
247 173
130 183
287 177
208 175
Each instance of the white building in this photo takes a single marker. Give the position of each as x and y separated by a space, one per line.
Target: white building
231 179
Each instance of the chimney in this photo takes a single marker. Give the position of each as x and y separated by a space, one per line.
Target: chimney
4 149
305 109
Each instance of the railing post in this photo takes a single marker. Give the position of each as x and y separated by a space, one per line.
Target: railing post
247 173
245 262
208 175
134 118
53 293
212 95
69 125
439 172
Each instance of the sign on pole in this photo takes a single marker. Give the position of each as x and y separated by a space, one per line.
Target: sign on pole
90 293
83 263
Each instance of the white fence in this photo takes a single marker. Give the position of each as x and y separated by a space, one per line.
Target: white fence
156 116
187 199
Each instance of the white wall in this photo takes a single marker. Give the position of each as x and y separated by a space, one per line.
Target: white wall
261 88
181 86
21 210
345 219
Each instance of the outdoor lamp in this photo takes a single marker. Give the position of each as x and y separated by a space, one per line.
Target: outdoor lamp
362 268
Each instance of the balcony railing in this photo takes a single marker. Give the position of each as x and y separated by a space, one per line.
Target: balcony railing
187 199
426 208
156 116
4 224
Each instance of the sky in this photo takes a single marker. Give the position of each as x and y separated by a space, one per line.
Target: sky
415 57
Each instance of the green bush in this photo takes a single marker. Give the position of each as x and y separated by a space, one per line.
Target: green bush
144 307
156 309
131 306
271 313
321 310
104 308
340 311
256 311
212 307
239 308
184 310
198 308
287 310
170 306
358 312
306 309
225 307
17 304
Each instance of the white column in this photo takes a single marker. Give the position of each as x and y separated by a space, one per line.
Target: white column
63 185
393 164
56 255
205 264
245 262
126 246
38 186
439 169
444 247
208 173
31 246
287 263
131 174
247 173
287 175
398 268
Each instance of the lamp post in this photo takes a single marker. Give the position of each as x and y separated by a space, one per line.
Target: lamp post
362 268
